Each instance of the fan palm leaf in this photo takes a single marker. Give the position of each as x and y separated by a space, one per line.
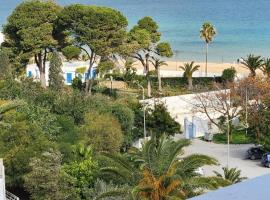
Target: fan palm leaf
252 63
122 167
157 63
266 67
233 175
189 69
187 166
161 172
207 34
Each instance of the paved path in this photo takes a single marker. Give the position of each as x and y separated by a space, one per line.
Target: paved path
249 168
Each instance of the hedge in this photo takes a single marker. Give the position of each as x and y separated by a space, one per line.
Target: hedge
170 81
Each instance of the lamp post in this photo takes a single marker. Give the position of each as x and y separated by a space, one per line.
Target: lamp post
228 141
144 124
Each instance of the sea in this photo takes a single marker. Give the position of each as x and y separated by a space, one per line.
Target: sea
243 26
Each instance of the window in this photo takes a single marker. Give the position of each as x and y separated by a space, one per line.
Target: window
86 76
69 78
30 74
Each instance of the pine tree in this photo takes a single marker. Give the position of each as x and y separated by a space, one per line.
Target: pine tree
56 80
5 67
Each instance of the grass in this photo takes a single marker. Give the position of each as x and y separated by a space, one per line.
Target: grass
238 137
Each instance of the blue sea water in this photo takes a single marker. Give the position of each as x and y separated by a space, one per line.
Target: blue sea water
243 25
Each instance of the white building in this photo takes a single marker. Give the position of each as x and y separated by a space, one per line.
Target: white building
1 38
4 194
68 68
2 180
183 109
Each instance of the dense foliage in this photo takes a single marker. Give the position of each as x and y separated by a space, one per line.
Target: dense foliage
56 79
30 32
228 75
159 121
61 143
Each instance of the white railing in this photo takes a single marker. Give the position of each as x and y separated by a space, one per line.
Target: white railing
10 196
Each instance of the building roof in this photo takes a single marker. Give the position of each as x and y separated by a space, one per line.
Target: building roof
253 189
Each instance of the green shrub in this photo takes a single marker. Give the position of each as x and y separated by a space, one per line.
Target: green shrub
102 131
160 122
125 117
238 137
168 81
228 75
77 84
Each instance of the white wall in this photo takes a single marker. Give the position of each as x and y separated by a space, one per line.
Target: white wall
68 67
183 107
1 38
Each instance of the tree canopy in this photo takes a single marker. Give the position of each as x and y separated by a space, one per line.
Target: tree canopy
98 31
143 44
29 31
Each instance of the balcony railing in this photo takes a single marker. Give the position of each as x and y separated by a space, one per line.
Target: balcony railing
10 196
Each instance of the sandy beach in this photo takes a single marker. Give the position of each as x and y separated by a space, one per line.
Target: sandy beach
212 67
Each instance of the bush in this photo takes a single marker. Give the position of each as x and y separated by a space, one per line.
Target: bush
47 180
168 81
228 75
126 118
160 122
77 84
102 131
83 170
73 105
238 137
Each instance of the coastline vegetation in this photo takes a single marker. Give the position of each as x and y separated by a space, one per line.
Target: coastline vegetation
64 142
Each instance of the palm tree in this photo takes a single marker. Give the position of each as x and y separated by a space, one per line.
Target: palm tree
158 172
121 168
157 63
4 108
207 33
266 67
101 190
233 175
189 69
252 63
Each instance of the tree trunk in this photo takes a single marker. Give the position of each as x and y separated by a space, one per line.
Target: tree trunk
43 79
41 63
252 73
190 85
89 82
159 79
206 60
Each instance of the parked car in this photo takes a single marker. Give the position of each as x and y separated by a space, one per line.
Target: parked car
254 153
266 160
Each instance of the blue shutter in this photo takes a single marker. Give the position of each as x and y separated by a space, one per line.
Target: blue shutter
69 77
94 73
86 76
30 74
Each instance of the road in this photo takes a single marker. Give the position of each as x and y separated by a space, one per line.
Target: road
249 168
